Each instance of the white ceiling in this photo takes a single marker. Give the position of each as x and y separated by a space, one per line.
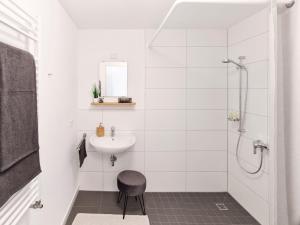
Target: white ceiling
211 15
136 14
117 14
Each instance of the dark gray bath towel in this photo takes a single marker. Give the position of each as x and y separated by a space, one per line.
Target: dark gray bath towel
82 152
16 177
19 156
18 106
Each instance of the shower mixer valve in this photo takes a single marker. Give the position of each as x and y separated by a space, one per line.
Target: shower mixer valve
258 144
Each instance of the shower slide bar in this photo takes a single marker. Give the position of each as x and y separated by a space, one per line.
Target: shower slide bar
14 18
286 3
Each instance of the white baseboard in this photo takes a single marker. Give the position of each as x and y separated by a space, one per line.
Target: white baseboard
70 206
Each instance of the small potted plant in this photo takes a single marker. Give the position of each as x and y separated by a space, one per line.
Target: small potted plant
95 93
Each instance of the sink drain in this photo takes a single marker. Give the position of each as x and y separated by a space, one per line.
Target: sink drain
221 206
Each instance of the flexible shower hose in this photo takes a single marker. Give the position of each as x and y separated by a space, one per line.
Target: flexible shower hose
241 128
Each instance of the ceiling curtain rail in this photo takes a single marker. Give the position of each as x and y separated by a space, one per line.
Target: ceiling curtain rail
287 3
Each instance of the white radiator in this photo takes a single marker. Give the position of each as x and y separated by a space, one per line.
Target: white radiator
20 29
19 203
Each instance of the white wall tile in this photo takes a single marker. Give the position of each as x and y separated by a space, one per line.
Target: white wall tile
165 161
158 82
95 46
165 77
255 49
206 120
257 183
257 101
110 181
206 161
257 127
249 38
92 163
250 27
206 140
250 161
207 37
123 119
165 120
207 99
125 161
136 85
89 119
165 140
206 56
258 76
207 78
167 37
253 203
206 182
91 181
166 57
165 181
140 139
165 98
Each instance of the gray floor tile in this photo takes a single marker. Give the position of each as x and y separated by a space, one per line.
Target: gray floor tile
168 208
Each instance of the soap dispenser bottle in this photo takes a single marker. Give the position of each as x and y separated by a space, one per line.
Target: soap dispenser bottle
100 131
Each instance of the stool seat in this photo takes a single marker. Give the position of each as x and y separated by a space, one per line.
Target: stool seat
132 184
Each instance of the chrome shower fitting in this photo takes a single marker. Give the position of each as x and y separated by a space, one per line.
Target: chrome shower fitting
239 65
258 144
242 112
290 4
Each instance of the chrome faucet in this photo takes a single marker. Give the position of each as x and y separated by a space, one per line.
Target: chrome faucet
112 131
258 144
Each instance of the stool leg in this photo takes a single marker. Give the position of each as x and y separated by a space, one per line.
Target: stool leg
120 197
125 205
142 204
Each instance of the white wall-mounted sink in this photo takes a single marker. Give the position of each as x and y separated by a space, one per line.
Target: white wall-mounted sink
113 145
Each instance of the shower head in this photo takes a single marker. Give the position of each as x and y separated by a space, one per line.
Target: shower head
227 60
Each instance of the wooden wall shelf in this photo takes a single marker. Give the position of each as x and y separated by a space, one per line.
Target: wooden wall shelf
114 104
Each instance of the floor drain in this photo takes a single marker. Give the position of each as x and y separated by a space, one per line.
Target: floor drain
221 206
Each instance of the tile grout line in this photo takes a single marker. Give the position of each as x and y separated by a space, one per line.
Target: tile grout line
248 38
185 91
227 113
145 99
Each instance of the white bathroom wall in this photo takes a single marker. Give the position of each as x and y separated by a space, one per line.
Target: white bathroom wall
250 38
57 112
180 86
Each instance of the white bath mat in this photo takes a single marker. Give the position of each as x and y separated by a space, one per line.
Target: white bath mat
108 219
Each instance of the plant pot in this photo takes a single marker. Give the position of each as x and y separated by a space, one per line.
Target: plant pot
96 100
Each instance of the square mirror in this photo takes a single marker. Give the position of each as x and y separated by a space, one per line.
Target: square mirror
113 77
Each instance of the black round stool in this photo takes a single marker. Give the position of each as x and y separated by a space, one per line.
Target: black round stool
132 184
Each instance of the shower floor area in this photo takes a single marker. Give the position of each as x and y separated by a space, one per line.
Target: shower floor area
168 208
